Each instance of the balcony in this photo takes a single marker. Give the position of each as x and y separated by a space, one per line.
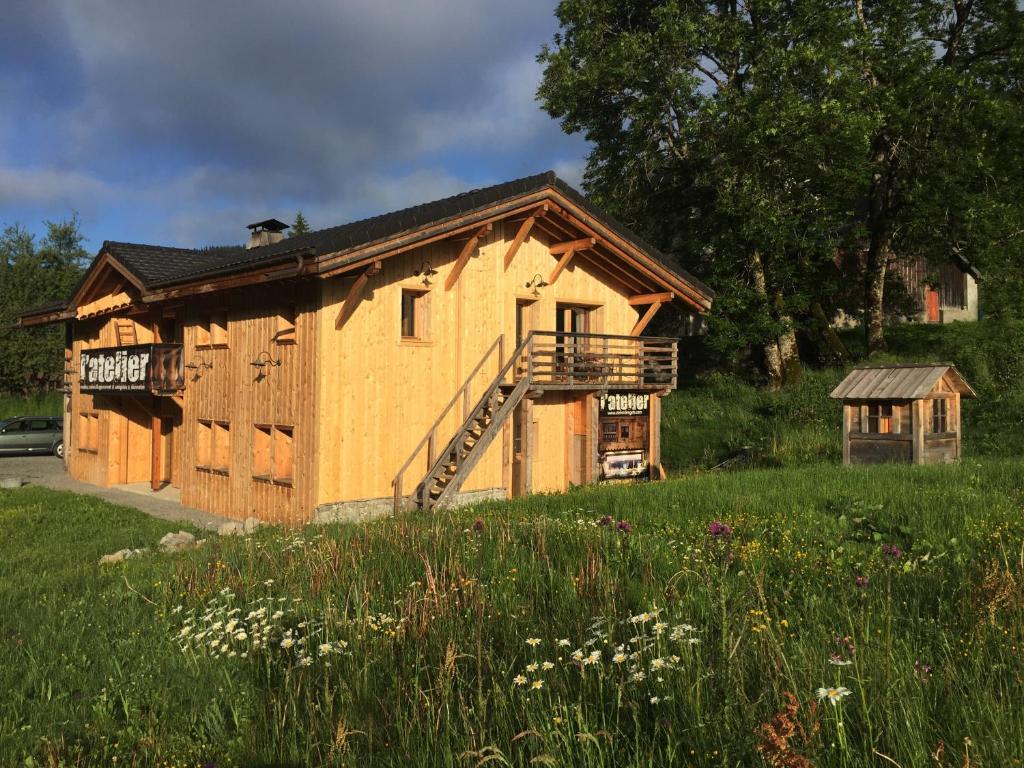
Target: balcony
591 361
154 369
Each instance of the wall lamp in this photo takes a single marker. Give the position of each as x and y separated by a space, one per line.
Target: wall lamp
537 282
263 359
198 368
426 271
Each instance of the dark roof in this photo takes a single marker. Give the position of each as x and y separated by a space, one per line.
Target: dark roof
161 266
273 225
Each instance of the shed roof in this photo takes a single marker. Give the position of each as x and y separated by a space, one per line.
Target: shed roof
899 382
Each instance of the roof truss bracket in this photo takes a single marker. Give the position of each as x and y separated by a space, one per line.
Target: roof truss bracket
645 320
644 299
355 295
464 254
574 245
523 233
561 265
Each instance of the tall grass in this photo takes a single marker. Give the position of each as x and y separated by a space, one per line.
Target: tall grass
903 584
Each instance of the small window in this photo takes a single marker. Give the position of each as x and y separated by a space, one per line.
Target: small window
40 425
212 330
285 333
879 419
517 435
414 315
854 418
213 446
88 432
204 441
609 432
273 453
940 416
624 432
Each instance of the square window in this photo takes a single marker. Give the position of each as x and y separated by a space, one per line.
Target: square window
88 432
273 453
609 432
879 419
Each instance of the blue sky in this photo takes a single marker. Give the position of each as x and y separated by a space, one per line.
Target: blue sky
181 122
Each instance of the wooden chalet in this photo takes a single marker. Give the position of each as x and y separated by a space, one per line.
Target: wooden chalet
902 413
485 345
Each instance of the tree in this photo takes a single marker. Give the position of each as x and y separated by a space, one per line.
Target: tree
300 227
756 140
714 134
31 276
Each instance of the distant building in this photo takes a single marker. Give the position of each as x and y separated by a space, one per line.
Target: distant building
942 295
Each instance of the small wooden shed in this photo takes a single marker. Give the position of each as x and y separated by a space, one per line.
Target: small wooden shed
902 413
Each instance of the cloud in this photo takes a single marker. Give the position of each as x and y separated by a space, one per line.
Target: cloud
190 117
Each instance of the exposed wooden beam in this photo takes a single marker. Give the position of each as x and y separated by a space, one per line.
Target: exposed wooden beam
560 266
644 321
650 298
595 258
355 295
574 245
524 230
463 259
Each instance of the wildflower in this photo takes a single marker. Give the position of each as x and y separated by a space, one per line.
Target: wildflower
655 699
224 648
657 663
619 657
564 643
547 665
593 658
533 642
478 525
557 720
536 685
624 526
241 635
862 582
268 583
833 695
892 552
287 643
640 618
924 671
277 615
606 520
519 680
838 661
531 668
637 676
720 530
305 661
660 627
325 648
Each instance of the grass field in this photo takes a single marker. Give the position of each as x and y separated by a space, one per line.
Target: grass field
606 627
42 404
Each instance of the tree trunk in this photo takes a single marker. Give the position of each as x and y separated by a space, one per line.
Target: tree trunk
781 356
880 237
839 352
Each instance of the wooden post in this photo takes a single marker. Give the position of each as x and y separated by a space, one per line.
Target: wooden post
529 436
654 436
847 418
918 417
155 479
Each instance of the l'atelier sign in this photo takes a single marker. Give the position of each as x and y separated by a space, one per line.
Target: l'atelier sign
118 369
624 404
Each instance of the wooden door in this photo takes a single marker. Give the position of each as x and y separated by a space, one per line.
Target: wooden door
578 455
931 301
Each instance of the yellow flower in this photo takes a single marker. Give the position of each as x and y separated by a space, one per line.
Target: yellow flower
537 685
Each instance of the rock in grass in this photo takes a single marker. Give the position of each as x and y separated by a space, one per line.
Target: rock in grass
178 542
233 528
251 524
11 482
121 554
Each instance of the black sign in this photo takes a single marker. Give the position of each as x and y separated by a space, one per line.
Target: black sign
115 369
624 404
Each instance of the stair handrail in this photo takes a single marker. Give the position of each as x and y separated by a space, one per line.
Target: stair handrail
461 392
498 380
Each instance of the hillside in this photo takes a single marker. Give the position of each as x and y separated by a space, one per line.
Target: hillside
722 418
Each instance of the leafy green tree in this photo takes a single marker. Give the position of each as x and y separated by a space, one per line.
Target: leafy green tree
32 275
758 140
300 226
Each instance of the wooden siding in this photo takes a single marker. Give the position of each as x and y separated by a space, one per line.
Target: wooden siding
234 391
381 393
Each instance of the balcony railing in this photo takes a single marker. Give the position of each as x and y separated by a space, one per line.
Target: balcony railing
554 360
155 369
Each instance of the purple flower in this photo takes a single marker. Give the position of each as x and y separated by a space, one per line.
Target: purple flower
720 530
624 527
924 671
892 552
478 525
606 520
862 582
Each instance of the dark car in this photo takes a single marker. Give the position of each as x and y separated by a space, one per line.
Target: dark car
32 434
